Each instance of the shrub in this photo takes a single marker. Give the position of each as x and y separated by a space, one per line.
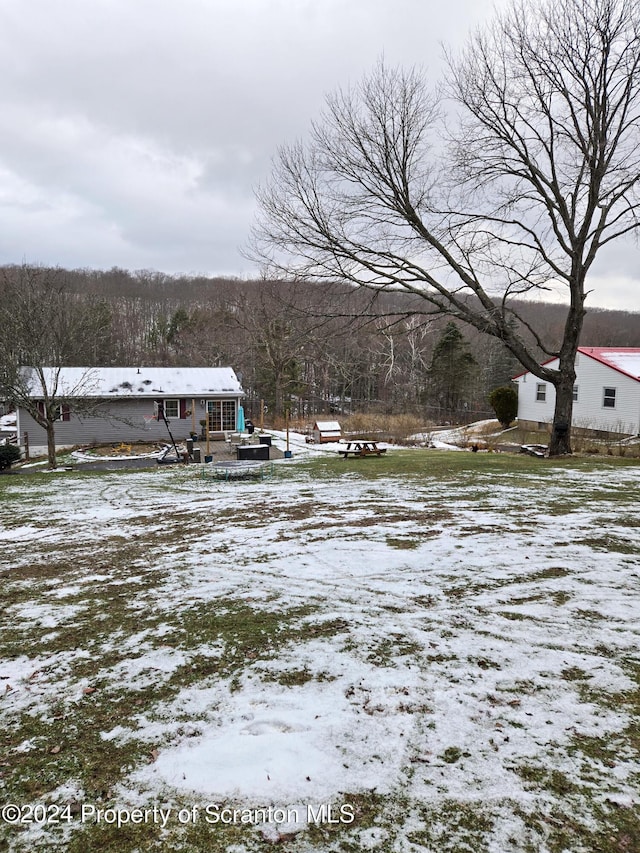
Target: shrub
9 453
504 402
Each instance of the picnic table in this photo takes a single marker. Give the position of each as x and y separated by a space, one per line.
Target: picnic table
360 447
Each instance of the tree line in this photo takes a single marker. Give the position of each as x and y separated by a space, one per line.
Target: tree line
314 349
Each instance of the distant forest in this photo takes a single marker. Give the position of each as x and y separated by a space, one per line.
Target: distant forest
312 348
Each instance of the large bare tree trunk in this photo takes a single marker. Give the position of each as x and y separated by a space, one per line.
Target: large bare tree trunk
541 172
51 446
560 442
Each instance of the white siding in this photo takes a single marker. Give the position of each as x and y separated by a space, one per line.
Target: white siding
531 409
592 377
589 412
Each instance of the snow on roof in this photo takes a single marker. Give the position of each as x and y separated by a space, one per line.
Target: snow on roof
8 421
624 359
139 382
328 426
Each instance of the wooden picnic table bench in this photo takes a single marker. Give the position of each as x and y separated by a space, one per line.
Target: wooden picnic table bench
360 447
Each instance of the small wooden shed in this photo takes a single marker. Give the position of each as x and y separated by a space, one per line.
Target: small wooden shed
324 431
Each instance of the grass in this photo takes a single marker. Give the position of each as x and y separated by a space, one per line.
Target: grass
91 608
453 826
234 635
435 464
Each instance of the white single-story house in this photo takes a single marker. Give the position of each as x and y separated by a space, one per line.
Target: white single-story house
606 395
119 404
325 431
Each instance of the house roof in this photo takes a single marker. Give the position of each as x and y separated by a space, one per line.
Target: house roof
625 360
119 382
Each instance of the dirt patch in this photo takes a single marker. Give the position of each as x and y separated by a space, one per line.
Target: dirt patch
131 449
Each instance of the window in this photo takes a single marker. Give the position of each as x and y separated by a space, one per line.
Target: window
541 392
222 415
171 409
575 393
609 398
61 411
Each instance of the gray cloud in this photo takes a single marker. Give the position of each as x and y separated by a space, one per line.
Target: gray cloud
132 132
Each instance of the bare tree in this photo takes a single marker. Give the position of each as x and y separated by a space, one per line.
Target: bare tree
43 328
536 172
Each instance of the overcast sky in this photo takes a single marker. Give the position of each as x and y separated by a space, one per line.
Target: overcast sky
132 132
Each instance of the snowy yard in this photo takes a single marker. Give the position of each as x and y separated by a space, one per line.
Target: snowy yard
430 651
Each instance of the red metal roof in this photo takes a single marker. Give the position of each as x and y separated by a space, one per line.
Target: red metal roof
625 360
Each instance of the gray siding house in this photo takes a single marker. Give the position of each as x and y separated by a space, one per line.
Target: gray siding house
122 401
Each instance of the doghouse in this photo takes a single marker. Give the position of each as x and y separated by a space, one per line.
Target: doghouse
324 431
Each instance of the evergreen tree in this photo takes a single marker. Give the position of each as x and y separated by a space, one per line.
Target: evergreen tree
452 371
504 402
499 366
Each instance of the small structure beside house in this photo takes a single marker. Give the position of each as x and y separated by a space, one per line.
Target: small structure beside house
7 428
325 431
124 400
606 396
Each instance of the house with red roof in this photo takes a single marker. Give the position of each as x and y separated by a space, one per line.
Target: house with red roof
606 395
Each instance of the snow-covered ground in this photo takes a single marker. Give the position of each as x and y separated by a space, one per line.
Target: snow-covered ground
448 646
441 439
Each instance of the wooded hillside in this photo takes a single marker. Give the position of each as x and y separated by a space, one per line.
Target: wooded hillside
314 348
